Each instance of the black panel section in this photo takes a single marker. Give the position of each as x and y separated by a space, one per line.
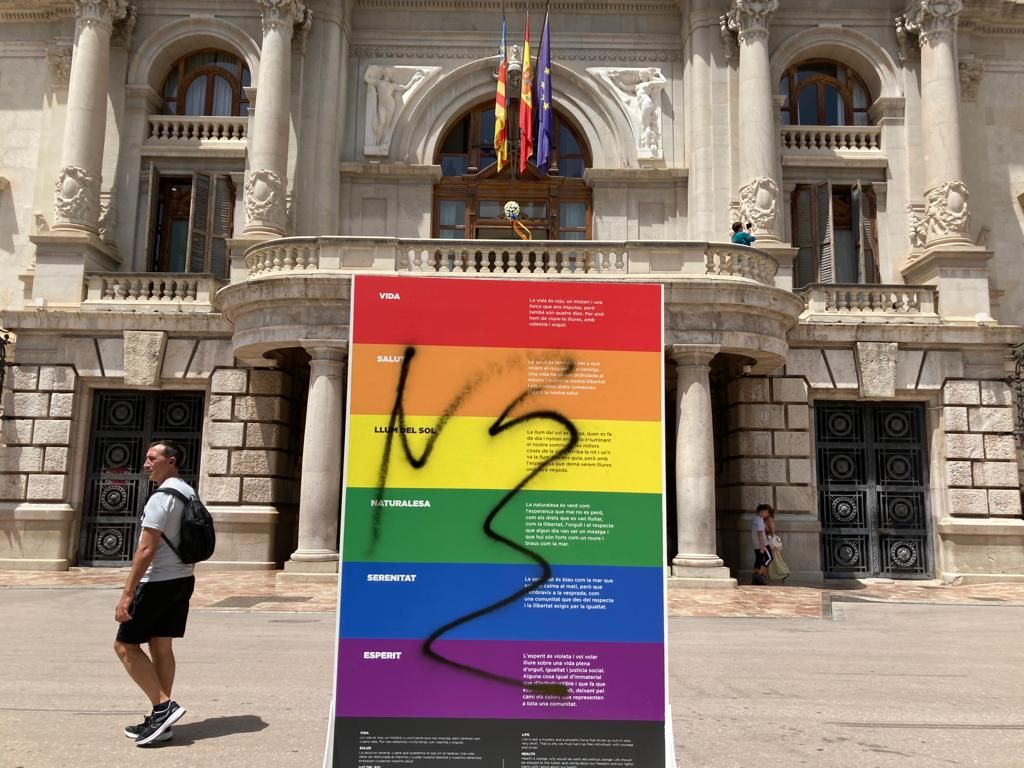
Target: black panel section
443 743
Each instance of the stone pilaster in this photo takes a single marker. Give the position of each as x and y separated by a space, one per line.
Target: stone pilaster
266 183
322 452
77 198
759 194
696 564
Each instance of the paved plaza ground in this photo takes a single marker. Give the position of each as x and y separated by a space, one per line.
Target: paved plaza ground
877 674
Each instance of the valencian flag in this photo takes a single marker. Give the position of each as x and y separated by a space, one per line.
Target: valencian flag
545 116
500 101
526 103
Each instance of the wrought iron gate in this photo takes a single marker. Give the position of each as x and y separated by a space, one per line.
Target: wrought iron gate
116 489
872 490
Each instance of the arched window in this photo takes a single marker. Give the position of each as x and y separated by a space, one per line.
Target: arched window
823 93
469 199
209 82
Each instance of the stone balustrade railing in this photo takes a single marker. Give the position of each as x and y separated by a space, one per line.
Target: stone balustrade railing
862 303
170 130
831 138
149 292
536 258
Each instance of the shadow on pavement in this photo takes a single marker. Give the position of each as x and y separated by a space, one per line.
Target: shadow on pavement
212 728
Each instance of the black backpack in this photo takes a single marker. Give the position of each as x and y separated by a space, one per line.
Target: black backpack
198 539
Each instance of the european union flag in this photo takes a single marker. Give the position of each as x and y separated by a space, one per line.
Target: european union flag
542 99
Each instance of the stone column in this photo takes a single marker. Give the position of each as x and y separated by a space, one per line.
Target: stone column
77 199
758 139
950 261
322 452
945 193
696 564
266 183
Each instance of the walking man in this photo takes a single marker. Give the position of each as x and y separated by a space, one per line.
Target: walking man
153 608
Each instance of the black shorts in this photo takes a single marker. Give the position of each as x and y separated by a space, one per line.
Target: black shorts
158 609
762 559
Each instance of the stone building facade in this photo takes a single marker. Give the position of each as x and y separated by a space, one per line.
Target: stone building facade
187 189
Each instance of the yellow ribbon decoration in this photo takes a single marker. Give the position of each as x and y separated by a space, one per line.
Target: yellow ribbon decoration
521 230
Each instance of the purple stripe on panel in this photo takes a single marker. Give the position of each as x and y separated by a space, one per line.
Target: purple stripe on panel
605 681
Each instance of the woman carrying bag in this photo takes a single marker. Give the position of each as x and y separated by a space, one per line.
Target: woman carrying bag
778 570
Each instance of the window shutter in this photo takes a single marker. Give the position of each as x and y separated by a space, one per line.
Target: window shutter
864 228
148 233
826 261
199 223
221 224
803 237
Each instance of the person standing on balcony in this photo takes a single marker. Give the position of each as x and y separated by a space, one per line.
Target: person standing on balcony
741 237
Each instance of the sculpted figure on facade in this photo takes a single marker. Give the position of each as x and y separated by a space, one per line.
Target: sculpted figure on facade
759 203
59 62
300 35
77 197
388 91
264 199
946 210
638 90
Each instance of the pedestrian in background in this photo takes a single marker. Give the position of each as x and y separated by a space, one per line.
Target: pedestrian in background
762 555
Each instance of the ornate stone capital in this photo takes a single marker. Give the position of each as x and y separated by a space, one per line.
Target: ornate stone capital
946 211
300 34
100 13
264 200
935 20
749 18
906 39
729 48
759 203
281 15
77 197
59 62
970 75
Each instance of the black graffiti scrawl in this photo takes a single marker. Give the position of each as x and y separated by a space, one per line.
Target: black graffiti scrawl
507 420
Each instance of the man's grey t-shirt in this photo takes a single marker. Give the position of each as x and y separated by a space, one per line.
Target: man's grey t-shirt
757 526
163 513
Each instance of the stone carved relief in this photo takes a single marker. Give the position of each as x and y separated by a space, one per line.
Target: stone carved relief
388 90
906 39
124 30
300 35
970 75
946 210
264 199
59 62
729 48
639 91
281 15
749 18
917 228
40 222
77 196
108 217
759 203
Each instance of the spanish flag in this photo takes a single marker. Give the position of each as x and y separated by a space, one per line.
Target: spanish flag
500 101
526 103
